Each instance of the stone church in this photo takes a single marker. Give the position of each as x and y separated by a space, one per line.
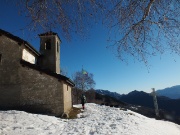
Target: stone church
31 80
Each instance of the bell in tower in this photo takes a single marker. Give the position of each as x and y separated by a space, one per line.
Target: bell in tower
50 51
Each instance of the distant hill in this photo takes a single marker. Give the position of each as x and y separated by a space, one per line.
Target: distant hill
171 92
142 103
111 94
108 100
138 98
145 99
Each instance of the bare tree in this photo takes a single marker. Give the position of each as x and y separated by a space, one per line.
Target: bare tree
83 82
76 93
145 27
90 96
140 28
70 16
64 71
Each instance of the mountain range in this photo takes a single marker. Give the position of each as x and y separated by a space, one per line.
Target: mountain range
142 103
111 94
145 99
171 92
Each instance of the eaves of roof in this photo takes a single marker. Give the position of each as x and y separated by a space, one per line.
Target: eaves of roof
20 41
49 33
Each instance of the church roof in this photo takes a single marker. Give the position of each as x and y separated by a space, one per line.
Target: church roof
19 40
48 72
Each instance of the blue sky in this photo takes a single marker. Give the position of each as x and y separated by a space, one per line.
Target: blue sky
110 73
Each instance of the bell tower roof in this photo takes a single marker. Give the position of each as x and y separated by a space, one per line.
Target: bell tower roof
49 33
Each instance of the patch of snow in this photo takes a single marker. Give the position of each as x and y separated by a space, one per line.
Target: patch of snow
135 108
94 120
77 106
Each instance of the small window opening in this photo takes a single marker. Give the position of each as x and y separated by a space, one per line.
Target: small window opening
67 87
57 47
48 45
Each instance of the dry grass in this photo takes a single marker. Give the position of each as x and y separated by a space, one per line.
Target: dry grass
73 113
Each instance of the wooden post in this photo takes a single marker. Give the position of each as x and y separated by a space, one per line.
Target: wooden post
155 102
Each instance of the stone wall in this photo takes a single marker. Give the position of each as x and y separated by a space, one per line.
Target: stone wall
41 92
10 87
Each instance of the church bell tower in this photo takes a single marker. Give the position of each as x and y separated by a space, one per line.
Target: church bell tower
50 51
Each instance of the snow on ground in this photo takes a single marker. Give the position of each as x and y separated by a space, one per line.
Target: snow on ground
95 120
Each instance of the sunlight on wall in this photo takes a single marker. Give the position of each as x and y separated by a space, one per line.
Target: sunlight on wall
28 57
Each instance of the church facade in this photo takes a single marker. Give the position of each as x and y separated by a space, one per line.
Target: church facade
31 80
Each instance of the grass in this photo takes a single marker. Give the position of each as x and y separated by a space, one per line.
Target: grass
73 113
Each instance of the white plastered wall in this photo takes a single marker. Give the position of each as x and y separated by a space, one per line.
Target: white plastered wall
67 97
27 56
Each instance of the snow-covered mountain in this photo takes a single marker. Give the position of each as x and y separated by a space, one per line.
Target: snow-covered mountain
109 93
171 92
95 120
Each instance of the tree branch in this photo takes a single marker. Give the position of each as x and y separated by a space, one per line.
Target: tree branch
147 10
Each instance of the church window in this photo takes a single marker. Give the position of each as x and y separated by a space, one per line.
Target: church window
57 47
67 87
48 45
